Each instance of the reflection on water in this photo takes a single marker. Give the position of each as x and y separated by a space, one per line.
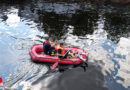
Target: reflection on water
17 36
102 30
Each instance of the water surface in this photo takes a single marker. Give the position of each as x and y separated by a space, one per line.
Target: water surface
103 29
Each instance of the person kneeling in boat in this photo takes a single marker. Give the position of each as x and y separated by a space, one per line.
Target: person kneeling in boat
61 51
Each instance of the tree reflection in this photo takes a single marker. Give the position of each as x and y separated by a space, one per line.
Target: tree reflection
85 22
117 23
54 17
55 23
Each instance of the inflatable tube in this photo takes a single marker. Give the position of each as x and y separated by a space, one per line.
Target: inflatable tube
37 54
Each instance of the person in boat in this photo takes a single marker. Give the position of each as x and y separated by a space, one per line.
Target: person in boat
46 46
61 53
52 50
49 47
71 54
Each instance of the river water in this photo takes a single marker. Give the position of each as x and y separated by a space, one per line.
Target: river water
102 28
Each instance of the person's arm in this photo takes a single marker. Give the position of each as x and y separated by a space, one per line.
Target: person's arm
55 42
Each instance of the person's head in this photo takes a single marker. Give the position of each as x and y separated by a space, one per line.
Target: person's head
62 44
47 38
52 44
71 51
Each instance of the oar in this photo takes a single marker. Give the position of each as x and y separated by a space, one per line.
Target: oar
56 64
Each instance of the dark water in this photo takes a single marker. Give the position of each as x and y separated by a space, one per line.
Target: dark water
103 28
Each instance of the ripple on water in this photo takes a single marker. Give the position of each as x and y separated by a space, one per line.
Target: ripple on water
108 61
16 65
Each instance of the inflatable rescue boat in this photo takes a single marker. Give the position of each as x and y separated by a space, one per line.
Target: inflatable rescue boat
37 54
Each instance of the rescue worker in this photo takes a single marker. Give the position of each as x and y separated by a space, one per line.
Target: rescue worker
61 51
52 50
46 46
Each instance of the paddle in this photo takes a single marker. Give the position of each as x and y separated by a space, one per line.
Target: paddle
56 64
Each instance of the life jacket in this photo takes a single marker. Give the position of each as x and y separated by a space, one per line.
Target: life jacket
52 51
46 42
62 50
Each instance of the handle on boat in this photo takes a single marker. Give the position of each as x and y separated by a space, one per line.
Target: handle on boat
56 64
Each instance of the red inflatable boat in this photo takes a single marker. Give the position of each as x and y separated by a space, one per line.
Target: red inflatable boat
37 54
